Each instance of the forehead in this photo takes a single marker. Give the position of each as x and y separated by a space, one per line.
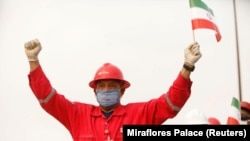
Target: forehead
108 81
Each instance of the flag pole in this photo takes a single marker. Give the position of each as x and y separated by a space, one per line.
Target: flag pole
237 50
193 35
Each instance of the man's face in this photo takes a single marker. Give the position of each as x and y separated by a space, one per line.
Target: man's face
107 85
110 84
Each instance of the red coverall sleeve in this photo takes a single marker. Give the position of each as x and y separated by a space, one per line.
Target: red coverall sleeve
170 103
158 110
52 102
179 93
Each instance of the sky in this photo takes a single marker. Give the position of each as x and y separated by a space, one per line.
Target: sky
145 38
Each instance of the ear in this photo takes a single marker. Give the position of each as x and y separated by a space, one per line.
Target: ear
122 92
94 90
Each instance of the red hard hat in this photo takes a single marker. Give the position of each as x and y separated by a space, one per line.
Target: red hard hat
195 116
108 71
213 121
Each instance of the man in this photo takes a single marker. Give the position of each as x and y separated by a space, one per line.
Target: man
245 112
105 121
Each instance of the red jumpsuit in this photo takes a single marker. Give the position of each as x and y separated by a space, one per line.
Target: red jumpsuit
86 122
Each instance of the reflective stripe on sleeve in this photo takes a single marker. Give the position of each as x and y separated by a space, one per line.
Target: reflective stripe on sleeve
52 92
176 108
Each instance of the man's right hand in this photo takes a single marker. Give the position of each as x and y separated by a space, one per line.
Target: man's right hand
32 49
192 53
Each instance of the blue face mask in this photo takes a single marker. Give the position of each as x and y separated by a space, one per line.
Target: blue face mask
107 98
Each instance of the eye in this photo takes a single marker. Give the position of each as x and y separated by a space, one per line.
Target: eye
100 85
112 86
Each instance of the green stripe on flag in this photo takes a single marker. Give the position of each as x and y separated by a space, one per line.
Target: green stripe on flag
236 103
200 4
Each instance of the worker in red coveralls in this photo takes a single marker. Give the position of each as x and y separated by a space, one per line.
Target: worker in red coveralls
105 121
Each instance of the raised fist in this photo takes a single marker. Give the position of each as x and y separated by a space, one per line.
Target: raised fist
32 49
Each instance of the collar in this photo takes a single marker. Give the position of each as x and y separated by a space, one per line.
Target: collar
118 111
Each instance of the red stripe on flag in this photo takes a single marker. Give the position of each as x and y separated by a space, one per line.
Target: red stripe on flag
232 121
201 23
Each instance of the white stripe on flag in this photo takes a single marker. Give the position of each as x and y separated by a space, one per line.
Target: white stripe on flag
199 13
234 113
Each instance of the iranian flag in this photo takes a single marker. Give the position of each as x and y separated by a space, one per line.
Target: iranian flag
234 116
203 17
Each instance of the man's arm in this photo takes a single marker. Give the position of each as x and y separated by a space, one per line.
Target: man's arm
33 65
180 91
185 73
50 100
